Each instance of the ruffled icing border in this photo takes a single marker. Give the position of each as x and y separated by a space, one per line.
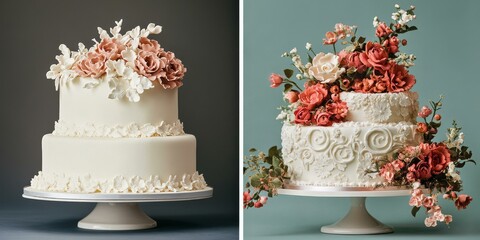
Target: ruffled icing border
119 184
135 130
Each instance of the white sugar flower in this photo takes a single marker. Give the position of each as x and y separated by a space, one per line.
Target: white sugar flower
62 72
124 81
154 29
325 68
308 46
293 51
375 21
452 172
397 6
299 76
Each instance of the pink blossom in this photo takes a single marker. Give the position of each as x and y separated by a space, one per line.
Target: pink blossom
428 202
448 219
411 177
334 89
400 79
322 118
91 66
353 60
313 95
375 56
302 116
258 204
422 127
174 71
438 215
149 45
275 80
437 117
391 44
330 38
292 96
111 48
462 201
425 112
388 172
438 158
423 170
148 64
416 201
398 165
246 198
430 222
383 30
263 200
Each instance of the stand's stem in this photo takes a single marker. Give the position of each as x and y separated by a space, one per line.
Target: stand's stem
117 216
357 221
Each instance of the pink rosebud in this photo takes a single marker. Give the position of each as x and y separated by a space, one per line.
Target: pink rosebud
258 204
330 38
292 96
448 219
246 197
263 200
334 89
425 112
437 117
322 119
462 201
302 116
275 80
422 127
404 42
335 97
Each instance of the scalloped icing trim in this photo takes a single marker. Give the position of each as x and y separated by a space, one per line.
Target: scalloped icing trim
134 130
120 184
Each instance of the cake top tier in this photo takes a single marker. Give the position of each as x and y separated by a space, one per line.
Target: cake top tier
130 63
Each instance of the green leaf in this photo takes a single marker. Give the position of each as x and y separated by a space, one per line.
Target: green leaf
277 182
273 151
275 161
415 210
412 28
255 181
244 170
361 39
353 39
288 73
270 193
287 88
252 150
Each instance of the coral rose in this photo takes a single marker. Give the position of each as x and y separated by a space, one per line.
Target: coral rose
91 66
425 112
275 80
438 158
337 110
400 80
322 119
302 116
391 44
375 56
148 64
174 71
291 96
383 30
313 95
353 60
423 170
111 48
422 127
325 67
462 201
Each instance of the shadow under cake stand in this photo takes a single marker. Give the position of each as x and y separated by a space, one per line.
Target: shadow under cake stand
358 220
117 211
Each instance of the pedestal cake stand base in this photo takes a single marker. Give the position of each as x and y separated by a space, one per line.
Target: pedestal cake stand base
117 211
358 220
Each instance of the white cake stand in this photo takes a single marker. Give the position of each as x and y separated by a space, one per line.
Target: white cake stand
357 220
117 211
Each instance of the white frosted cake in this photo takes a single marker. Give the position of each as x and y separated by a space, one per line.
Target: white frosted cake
118 129
343 154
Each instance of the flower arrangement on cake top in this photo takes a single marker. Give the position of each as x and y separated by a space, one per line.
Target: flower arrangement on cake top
361 66
428 167
131 63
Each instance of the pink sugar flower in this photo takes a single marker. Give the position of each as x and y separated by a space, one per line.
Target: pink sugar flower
148 64
375 56
425 112
149 45
400 79
302 116
91 66
448 219
438 158
398 165
338 110
174 71
383 30
430 222
422 127
292 96
322 118
258 204
313 95
388 172
111 48
428 202
462 201
263 200
275 80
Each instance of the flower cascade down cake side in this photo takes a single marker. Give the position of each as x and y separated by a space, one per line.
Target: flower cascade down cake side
118 129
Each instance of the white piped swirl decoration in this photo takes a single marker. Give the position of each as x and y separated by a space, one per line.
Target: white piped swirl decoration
134 130
378 140
119 184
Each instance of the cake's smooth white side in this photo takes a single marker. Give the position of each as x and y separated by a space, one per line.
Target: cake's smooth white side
111 157
340 155
381 107
79 105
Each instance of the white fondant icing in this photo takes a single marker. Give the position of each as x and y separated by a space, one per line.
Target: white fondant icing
381 107
60 182
63 128
342 154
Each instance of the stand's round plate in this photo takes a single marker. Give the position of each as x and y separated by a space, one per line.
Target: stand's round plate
317 191
31 193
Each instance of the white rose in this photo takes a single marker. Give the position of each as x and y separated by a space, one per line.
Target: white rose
325 68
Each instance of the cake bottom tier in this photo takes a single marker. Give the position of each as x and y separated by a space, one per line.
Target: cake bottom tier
343 154
118 165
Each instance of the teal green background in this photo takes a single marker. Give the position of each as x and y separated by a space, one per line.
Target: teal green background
447 50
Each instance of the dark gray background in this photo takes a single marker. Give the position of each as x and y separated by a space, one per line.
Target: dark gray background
204 34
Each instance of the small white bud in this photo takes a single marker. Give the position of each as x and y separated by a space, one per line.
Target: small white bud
397 6
412 7
299 76
293 51
308 46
